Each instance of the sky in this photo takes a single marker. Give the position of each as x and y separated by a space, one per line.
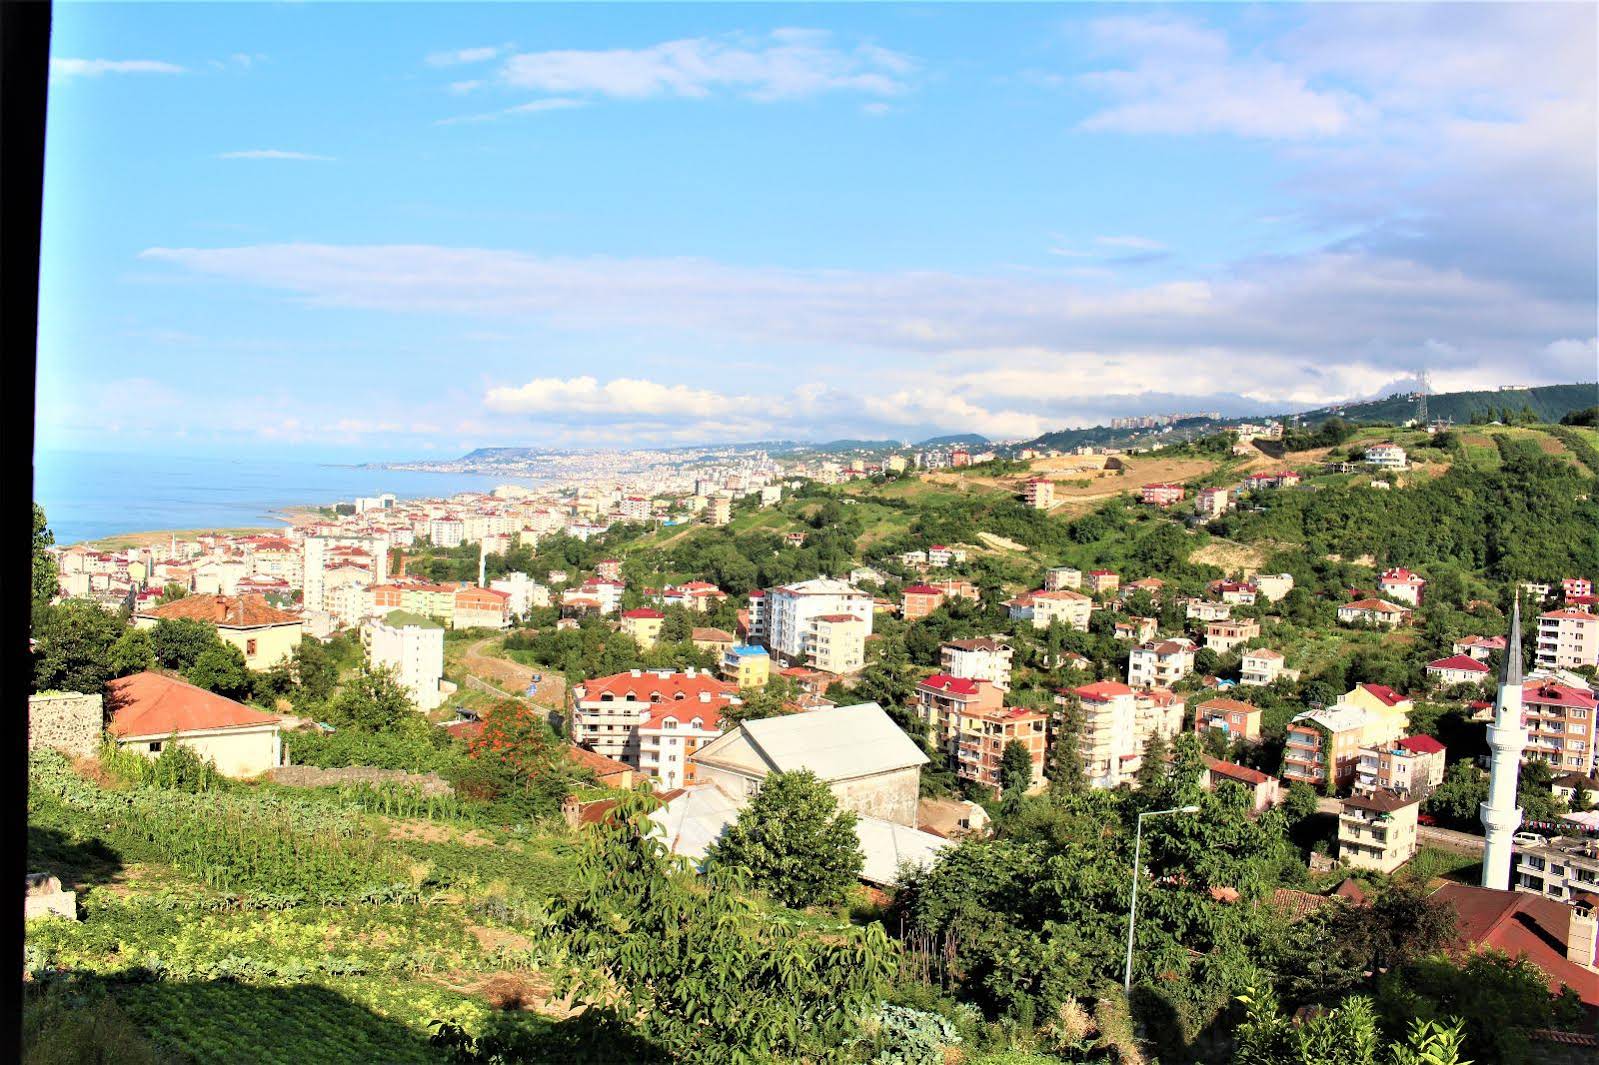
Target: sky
405 231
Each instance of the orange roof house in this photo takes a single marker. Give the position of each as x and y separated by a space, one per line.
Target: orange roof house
150 710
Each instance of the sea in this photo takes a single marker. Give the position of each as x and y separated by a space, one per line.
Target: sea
92 495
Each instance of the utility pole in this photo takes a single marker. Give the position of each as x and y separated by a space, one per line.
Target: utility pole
1132 909
1425 386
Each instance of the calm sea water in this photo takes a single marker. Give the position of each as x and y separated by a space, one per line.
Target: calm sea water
87 495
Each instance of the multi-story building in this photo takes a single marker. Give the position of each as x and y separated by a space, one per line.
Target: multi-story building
1103 581
836 643
608 711
1273 586
1567 639
1206 610
1223 636
1478 647
983 733
1234 719
746 665
1272 479
1265 791
985 658
609 569
1410 767
1136 629
781 620
634 508
1387 456
1212 502
1161 494
1066 606
669 733
1160 663
413 647
1058 577
1377 831
480 608
1039 493
1237 593
1576 588
1107 737
643 625
264 633
1260 666
447 532
524 593
698 596
942 699
1323 746
719 509
1403 585
1560 724
920 600
1558 868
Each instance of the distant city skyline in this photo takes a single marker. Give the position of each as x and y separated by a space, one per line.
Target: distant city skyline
403 233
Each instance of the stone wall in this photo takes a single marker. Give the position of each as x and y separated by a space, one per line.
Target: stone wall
67 722
891 796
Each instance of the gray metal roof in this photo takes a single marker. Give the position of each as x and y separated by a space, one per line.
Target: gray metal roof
837 743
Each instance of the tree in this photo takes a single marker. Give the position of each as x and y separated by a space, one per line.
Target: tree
375 701
45 576
179 642
132 653
794 842
1461 795
768 701
171 593
74 642
315 672
1152 768
1065 755
1015 768
221 668
1347 1034
527 760
1302 802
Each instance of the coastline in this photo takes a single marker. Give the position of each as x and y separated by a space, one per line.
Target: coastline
289 516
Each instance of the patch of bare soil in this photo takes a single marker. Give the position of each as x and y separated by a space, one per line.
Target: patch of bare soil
1230 556
429 832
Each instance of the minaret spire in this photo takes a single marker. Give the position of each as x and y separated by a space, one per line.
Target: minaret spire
1507 738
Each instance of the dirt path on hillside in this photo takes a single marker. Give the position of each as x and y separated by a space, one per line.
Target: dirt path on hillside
513 676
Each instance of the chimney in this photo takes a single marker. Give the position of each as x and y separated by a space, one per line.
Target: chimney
1582 936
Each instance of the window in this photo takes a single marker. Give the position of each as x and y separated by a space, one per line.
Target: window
249 647
155 746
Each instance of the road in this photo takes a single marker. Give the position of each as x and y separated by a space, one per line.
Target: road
501 676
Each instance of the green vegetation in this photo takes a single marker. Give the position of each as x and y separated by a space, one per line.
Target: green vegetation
793 842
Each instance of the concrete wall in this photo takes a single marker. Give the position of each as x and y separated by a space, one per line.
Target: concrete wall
67 722
272 643
891 796
241 752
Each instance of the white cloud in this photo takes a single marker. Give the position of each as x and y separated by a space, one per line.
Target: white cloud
787 64
584 397
275 153
93 68
463 87
461 56
532 107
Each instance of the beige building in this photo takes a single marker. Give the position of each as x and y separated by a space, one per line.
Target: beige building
1273 586
152 710
1567 639
264 633
1223 636
1260 666
1410 767
836 643
1039 493
1064 605
1377 831
644 625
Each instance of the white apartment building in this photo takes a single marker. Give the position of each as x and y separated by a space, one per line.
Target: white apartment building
525 592
1260 666
608 712
1117 723
412 646
1206 610
1558 868
668 735
985 658
1567 639
1386 456
1160 664
782 618
1068 607
447 532
1039 493
635 508
1058 577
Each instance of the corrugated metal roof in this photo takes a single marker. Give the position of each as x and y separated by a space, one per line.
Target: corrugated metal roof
888 846
835 744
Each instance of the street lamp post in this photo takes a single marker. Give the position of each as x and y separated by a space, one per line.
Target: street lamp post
1132 909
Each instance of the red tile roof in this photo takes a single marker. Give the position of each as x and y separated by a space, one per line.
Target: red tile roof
1420 745
1570 615
923 589
1520 923
643 612
946 683
666 685
1465 662
1386 695
244 611
1233 771
153 704
1551 694
1103 690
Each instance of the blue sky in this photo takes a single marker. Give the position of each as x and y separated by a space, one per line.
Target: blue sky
383 231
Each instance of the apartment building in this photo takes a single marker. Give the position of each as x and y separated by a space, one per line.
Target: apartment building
1410 767
413 647
524 593
643 625
1558 868
942 699
1160 663
1205 610
1260 666
1567 639
746 665
1161 494
1039 493
983 733
1136 629
920 600
1058 577
698 596
1107 740
669 733
1560 724
480 608
1377 831
1401 584
1212 502
985 658
1273 586
1223 636
1323 746
1103 581
719 509
634 508
1066 606
1233 718
1273 479
782 620
1387 456
447 532
836 643
608 711
1237 593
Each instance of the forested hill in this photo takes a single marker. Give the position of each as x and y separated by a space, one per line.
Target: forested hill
1548 403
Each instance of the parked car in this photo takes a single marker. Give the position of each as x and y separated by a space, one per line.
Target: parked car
1426 819
1527 839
